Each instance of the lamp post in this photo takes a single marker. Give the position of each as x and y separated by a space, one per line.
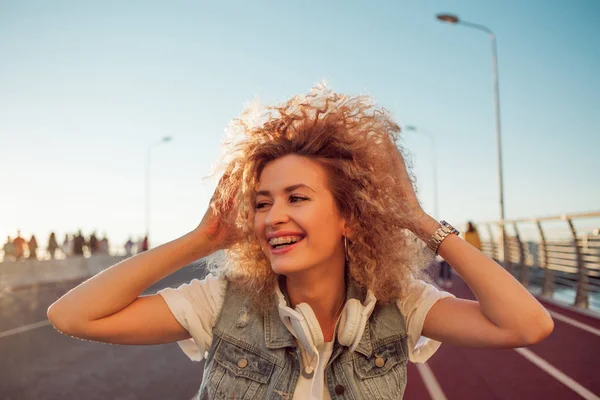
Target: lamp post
148 163
413 128
454 20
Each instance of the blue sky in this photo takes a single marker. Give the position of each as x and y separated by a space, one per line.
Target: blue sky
87 87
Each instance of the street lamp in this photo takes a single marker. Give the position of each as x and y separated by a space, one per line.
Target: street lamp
454 20
412 128
165 139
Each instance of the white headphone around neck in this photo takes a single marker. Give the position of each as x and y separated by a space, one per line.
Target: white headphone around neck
303 324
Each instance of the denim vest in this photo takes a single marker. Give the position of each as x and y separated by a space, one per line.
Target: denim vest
254 356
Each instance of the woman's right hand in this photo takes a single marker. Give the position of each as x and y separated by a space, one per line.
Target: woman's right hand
109 307
215 229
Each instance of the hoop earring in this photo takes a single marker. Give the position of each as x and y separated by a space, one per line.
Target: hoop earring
346 249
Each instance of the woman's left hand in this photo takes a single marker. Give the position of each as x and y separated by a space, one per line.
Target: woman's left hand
423 225
406 183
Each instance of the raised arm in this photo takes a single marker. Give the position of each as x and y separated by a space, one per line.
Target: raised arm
505 313
108 307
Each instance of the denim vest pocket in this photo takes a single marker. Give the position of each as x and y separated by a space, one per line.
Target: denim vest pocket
239 373
383 374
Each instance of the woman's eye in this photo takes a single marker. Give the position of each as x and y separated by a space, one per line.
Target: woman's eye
261 205
295 199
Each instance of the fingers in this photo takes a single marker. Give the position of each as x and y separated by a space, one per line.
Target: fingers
220 185
224 195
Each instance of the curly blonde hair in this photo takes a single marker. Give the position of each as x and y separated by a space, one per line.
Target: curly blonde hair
355 142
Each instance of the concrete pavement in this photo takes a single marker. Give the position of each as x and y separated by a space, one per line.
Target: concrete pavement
41 363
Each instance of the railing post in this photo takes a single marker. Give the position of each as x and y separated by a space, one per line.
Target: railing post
524 269
507 262
548 282
492 241
581 297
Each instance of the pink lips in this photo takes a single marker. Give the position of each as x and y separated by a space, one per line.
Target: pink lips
276 234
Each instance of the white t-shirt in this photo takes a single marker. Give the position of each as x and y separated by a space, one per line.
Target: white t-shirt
197 304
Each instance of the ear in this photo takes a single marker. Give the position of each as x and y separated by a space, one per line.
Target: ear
347 229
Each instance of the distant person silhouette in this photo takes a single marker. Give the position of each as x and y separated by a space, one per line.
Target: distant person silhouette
471 236
19 244
93 243
103 245
78 244
52 245
445 278
67 247
9 249
33 246
143 245
129 247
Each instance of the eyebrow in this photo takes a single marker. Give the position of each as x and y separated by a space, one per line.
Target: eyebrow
286 190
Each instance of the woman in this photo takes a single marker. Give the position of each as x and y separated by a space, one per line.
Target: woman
319 295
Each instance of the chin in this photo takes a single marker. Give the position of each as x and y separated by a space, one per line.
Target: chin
290 267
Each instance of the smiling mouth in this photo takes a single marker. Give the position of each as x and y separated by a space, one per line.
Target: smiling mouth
284 242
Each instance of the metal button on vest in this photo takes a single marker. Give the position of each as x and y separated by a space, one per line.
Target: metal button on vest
339 389
379 362
242 363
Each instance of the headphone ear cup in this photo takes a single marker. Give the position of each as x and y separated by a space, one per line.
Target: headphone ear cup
349 322
310 325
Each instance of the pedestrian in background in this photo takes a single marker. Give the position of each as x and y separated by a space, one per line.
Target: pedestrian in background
67 247
78 244
52 245
129 247
93 243
9 250
19 244
103 245
33 246
445 277
471 236
143 246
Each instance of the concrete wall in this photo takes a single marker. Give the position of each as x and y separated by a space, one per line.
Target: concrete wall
31 272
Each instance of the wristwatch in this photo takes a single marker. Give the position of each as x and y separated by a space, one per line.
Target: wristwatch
442 233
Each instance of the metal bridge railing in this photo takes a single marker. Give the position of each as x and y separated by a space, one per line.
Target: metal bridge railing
557 257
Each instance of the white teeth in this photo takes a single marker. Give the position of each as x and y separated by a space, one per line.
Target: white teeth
284 240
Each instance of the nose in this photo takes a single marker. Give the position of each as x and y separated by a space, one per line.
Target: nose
277 215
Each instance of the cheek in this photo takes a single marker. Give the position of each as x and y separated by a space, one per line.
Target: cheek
324 230
259 229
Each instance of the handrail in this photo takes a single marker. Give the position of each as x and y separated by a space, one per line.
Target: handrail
563 217
568 263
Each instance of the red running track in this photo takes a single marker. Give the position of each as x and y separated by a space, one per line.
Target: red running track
506 374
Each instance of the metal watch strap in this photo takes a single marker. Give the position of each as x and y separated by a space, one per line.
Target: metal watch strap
438 237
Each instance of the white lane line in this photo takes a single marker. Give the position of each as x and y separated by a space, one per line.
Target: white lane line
432 385
24 328
575 323
557 374
568 307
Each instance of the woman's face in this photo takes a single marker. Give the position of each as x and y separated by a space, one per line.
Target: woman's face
297 222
